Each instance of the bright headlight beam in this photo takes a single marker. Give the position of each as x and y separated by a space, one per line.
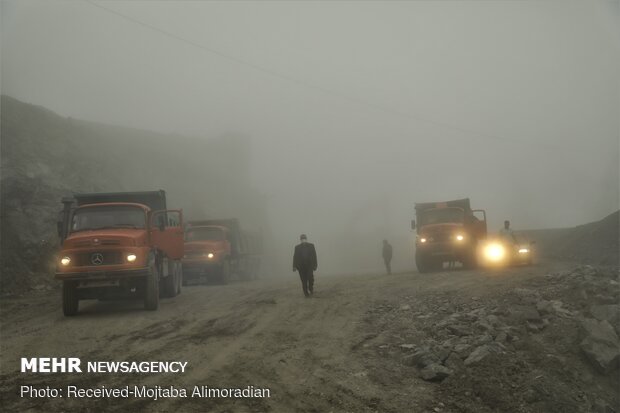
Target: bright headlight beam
131 257
65 261
210 255
422 240
523 250
494 252
459 237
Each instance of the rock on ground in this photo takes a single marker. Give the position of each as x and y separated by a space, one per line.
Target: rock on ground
601 345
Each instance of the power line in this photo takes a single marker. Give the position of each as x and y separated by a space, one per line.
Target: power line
298 81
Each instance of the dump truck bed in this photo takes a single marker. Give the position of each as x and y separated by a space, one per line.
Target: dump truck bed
156 200
458 203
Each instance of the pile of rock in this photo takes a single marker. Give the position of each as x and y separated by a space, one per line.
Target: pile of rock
498 325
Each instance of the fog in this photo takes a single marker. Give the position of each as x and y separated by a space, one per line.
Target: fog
352 111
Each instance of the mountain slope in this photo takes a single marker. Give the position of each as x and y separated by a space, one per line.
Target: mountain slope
45 156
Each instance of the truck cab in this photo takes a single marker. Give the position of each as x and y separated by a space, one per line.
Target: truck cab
217 248
118 245
447 231
207 252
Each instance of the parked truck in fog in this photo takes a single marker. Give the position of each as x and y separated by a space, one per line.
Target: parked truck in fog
217 248
119 244
447 231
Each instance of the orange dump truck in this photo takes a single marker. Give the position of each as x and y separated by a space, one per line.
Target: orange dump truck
119 244
447 231
217 248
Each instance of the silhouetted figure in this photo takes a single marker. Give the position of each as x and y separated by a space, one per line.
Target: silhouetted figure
304 261
507 233
387 256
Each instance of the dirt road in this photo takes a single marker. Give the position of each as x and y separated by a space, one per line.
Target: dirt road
347 349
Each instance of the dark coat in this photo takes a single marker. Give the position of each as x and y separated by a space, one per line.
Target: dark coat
387 251
305 257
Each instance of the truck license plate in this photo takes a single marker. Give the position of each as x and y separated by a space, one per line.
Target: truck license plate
99 283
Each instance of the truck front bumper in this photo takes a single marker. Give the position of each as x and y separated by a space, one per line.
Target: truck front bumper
445 250
102 275
196 269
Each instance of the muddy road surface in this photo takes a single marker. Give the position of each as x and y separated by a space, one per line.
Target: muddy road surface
453 341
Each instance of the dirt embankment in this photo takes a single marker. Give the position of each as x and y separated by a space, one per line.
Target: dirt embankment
593 243
45 156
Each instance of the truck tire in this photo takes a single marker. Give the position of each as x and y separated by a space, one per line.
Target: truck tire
151 292
70 300
225 272
179 276
172 280
422 262
470 262
183 279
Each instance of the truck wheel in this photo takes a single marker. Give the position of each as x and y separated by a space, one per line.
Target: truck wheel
179 277
183 279
422 263
171 281
225 272
70 300
151 293
470 262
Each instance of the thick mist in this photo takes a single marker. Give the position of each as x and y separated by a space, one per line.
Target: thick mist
333 119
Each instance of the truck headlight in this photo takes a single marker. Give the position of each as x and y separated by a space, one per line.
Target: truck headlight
65 261
459 237
422 240
210 255
131 257
523 250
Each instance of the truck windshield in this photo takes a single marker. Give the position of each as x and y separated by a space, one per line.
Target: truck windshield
108 217
204 234
442 216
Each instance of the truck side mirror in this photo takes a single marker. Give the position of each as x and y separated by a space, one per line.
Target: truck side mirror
413 224
161 224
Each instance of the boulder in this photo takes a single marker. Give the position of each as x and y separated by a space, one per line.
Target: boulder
480 353
459 330
421 358
608 312
435 372
453 361
524 313
544 307
601 345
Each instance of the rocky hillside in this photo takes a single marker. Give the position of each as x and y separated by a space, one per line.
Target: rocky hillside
593 243
46 156
549 345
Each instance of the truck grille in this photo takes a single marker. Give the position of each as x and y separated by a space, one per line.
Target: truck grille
88 243
439 237
106 258
189 254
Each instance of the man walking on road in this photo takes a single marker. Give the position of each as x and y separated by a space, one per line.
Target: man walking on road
387 256
304 261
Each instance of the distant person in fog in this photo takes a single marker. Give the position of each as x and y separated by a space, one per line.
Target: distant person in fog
304 261
387 256
507 233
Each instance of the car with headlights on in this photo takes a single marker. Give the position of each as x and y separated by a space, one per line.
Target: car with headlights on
499 252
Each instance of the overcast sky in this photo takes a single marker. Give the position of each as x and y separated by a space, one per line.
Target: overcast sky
355 110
